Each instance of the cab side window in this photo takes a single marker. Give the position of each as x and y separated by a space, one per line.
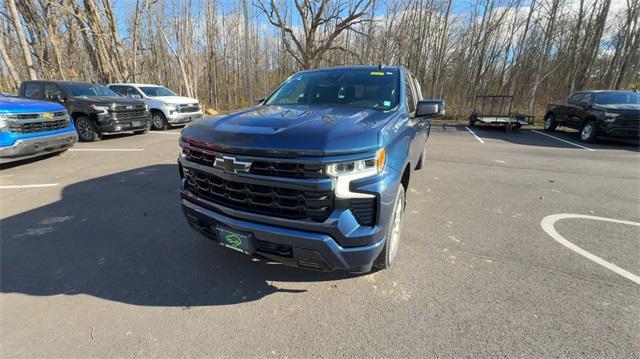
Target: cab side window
585 99
132 92
120 90
32 90
409 93
52 92
575 99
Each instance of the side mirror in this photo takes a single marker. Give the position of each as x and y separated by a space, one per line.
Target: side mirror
137 96
430 108
62 98
258 101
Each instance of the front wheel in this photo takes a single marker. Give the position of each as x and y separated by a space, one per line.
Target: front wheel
387 256
550 123
588 132
159 121
86 130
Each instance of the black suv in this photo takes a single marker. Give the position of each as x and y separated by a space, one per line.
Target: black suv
597 113
94 108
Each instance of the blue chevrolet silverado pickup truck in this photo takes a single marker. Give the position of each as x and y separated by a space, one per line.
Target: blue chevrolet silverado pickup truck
316 175
31 128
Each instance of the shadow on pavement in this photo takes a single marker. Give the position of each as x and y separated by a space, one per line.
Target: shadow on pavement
527 137
123 237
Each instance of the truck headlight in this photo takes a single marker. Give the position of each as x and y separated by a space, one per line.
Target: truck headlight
100 108
610 116
345 172
4 124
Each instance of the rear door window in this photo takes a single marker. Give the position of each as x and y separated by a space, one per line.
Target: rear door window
575 99
52 92
32 90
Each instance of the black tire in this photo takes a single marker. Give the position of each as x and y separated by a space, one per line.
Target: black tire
159 121
86 130
472 121
390 250
550 123
588 131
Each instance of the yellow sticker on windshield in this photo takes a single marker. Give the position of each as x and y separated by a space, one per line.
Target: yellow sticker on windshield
377 73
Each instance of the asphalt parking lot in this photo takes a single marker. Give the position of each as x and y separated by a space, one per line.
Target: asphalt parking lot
97 260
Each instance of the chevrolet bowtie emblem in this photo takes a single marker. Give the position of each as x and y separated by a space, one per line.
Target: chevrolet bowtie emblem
47 115
232 165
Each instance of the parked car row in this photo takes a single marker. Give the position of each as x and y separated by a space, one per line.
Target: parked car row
50 116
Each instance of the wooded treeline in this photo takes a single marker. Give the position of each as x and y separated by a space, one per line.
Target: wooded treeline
537 50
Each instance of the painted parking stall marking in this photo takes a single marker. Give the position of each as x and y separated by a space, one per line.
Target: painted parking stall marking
563 140
42 185
106 149
548 226
474 135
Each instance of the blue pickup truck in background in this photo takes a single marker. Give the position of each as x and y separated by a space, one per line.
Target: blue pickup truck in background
316 175
31 128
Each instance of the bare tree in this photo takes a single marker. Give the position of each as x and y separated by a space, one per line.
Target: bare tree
322 22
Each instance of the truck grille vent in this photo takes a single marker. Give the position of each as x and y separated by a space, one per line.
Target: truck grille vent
38 126
286 169
263 168
128 114
189 108
268 200
364 209
31 116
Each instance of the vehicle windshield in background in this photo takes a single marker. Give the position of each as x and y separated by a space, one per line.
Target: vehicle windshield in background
612 98
375 89
88 90
154 91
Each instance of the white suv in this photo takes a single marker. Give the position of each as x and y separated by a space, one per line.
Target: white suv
166 107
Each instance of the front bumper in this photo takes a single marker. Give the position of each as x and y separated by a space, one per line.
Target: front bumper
179 117
37 146
109 125
338 242
288 246
620 131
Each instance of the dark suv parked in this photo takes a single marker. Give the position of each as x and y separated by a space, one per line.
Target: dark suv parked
597 113
95 109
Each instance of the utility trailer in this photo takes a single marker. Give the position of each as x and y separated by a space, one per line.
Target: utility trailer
497 110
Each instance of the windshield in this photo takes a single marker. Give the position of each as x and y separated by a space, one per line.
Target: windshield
375 89
611 98
155 91
88 90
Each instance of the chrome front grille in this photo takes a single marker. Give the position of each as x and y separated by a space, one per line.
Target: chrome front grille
37 122
194 107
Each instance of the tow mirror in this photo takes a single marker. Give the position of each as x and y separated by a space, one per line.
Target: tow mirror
430 108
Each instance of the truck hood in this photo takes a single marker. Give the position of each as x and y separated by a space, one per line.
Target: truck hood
108 100
622 107
291 130
20 105
179 100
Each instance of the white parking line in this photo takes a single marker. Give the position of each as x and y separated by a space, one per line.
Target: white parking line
29 186
164 133
548 222
565 141
474 134
105 149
